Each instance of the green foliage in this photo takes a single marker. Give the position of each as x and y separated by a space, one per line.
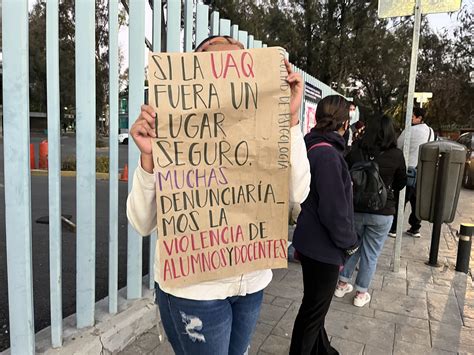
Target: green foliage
102 164
37 44
344 44
69 164
101 142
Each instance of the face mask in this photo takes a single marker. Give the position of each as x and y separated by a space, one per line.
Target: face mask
352 115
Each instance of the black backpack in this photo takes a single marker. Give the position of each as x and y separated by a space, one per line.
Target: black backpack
370 193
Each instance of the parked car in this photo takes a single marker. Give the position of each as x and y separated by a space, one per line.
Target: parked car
123 138
467 140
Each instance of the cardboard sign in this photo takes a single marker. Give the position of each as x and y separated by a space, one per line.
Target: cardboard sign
221 157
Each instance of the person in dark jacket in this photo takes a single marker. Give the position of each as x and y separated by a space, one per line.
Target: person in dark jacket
380 144
324 232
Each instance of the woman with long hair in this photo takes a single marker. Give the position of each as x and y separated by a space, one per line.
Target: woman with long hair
380 145
324 232
212 317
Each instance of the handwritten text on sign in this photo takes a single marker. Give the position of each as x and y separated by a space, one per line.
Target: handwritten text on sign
221 161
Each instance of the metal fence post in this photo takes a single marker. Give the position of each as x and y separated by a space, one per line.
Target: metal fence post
202 23
224 28
214 23
188 26
136 99
17 175
54 170
113 155
85 150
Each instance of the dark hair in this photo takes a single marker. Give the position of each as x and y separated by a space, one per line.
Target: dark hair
419 112
331 113
380 135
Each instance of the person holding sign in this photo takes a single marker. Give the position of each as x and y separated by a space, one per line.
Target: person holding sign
324 234
217 314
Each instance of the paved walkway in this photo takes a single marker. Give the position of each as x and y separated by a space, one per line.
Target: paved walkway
420 310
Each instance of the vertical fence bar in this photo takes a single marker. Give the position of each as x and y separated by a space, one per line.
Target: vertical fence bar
235 32
257 44
173 26
17 175
243 37
188 26
302 110
214 23
113 155
224 28
136 98
85 150
54 173
156 38
250 42
202 23
156 23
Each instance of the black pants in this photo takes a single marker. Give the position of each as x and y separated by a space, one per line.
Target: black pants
309 335
410 196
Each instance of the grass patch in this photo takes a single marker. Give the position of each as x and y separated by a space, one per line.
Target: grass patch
101 164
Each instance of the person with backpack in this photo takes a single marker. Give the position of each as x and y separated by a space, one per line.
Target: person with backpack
377 169
219 316
324 233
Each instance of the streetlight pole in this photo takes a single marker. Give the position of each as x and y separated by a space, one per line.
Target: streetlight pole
406 145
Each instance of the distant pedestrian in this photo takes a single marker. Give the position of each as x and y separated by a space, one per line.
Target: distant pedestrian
349 133
421 133
380 146
324 233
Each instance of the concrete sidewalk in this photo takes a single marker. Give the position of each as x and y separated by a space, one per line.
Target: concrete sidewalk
420 310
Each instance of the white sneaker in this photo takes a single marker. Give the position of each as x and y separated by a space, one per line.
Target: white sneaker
342 290
413 233
361 299
392 234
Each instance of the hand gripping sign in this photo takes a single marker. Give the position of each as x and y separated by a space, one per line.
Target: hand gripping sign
221 162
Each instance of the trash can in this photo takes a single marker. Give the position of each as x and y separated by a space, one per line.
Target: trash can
438 182
450 157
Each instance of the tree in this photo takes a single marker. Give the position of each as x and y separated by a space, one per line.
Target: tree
37 43
444 66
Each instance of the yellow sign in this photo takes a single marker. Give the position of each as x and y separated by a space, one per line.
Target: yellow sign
395 8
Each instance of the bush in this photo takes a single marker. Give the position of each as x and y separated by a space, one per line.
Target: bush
101 164
69 164
101 142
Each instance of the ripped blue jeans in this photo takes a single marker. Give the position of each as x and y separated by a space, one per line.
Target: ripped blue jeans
209 327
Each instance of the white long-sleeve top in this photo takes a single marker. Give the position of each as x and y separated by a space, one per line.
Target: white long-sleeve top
420 134
141 212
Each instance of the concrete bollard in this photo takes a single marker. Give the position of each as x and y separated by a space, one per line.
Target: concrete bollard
464 247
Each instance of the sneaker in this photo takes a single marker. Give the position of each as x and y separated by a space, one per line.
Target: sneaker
392 234
342 290
361 299
413 233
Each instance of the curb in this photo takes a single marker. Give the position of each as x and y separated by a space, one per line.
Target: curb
111 333
64 173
